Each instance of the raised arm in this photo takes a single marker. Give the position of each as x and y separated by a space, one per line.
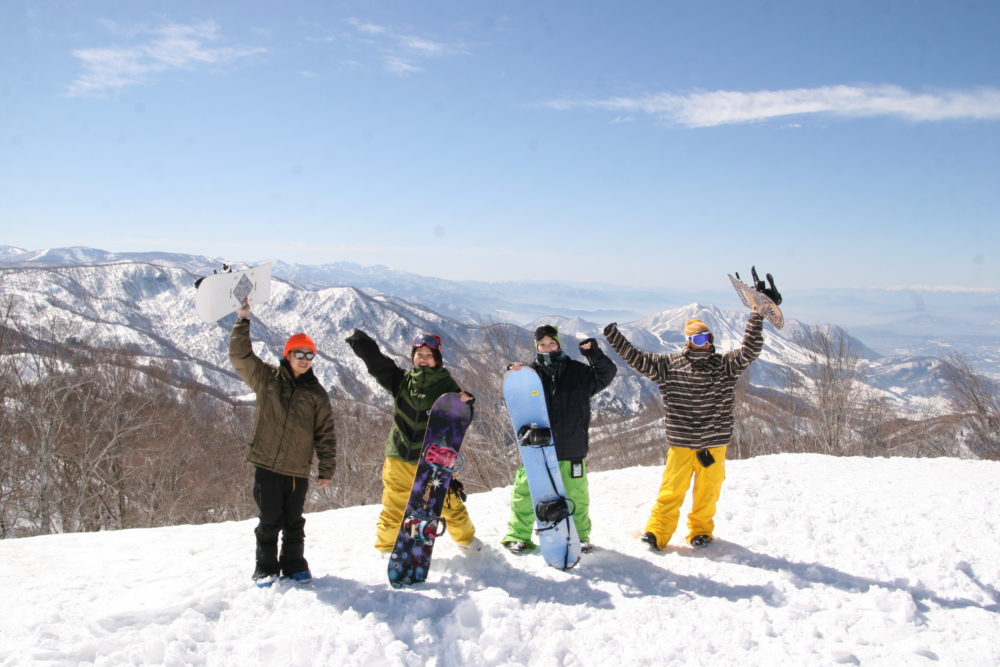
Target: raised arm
651 365
385 371
737 360
602 369
248 365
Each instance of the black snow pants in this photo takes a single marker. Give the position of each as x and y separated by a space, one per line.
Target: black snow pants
280 499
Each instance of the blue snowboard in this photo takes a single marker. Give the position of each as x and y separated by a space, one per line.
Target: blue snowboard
422 521
557 536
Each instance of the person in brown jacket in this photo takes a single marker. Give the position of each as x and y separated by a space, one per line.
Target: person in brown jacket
293 421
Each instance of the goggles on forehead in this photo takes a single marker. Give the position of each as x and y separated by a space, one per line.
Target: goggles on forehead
430 340
700 338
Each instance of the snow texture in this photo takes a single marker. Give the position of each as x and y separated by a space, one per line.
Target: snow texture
818 561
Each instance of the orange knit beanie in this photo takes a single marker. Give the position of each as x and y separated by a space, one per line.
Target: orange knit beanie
299 340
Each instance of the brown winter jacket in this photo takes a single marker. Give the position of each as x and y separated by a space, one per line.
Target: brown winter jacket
293 419
697 387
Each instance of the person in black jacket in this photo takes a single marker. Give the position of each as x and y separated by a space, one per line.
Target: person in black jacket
569 385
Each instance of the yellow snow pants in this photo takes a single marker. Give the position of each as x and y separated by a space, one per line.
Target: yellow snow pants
682 465
397 482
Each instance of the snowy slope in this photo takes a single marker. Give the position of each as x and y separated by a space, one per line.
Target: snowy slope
819 561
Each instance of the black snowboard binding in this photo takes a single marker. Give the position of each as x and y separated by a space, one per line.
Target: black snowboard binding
554 511
534 435
226 268
770 292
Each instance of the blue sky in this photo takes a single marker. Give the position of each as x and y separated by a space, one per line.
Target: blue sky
640 143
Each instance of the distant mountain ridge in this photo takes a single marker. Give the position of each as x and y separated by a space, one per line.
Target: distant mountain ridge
144 303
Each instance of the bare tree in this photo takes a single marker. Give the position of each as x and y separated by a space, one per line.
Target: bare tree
361 434
490 453
977 400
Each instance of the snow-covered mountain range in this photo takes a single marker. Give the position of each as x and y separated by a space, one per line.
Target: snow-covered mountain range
144 303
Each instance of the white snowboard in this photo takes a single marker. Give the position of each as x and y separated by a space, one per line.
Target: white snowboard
223 293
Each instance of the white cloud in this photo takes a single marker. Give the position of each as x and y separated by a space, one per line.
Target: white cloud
170 47
725 107
398 65
401 53
942 288
366 27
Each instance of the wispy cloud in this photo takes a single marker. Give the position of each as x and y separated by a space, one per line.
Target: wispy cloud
726 107
942 288
169 47
401 52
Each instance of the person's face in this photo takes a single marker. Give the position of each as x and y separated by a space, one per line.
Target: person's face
704 346
423 357
547 345
299 366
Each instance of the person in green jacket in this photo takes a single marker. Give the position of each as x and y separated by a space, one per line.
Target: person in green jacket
414 392
293 422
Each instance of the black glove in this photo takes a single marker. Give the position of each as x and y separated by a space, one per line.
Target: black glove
357 336
458 489
705 457
593 346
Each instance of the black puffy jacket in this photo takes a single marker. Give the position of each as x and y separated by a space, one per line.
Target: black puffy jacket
567 393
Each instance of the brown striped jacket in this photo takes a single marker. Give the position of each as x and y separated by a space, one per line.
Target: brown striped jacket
697 386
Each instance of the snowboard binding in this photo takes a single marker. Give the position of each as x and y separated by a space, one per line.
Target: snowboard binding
226 268
424 529
760 296
444 458
771 292
554 511
532 434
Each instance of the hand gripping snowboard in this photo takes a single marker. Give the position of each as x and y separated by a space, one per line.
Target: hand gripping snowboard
422 521
767 299
223 293
557 536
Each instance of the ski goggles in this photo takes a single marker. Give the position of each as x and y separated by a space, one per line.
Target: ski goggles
430 340
700 338
299 354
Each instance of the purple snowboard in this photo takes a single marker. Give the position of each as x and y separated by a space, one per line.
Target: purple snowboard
422 521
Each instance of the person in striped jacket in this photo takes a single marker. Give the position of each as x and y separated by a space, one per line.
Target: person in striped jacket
697 386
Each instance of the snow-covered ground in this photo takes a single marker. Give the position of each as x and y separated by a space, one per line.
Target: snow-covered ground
818 561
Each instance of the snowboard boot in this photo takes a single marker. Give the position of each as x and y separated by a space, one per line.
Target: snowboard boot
472 547
650 540
303 577
701 541
516 546
263 577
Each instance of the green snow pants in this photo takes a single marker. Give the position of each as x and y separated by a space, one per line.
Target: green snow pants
522 512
